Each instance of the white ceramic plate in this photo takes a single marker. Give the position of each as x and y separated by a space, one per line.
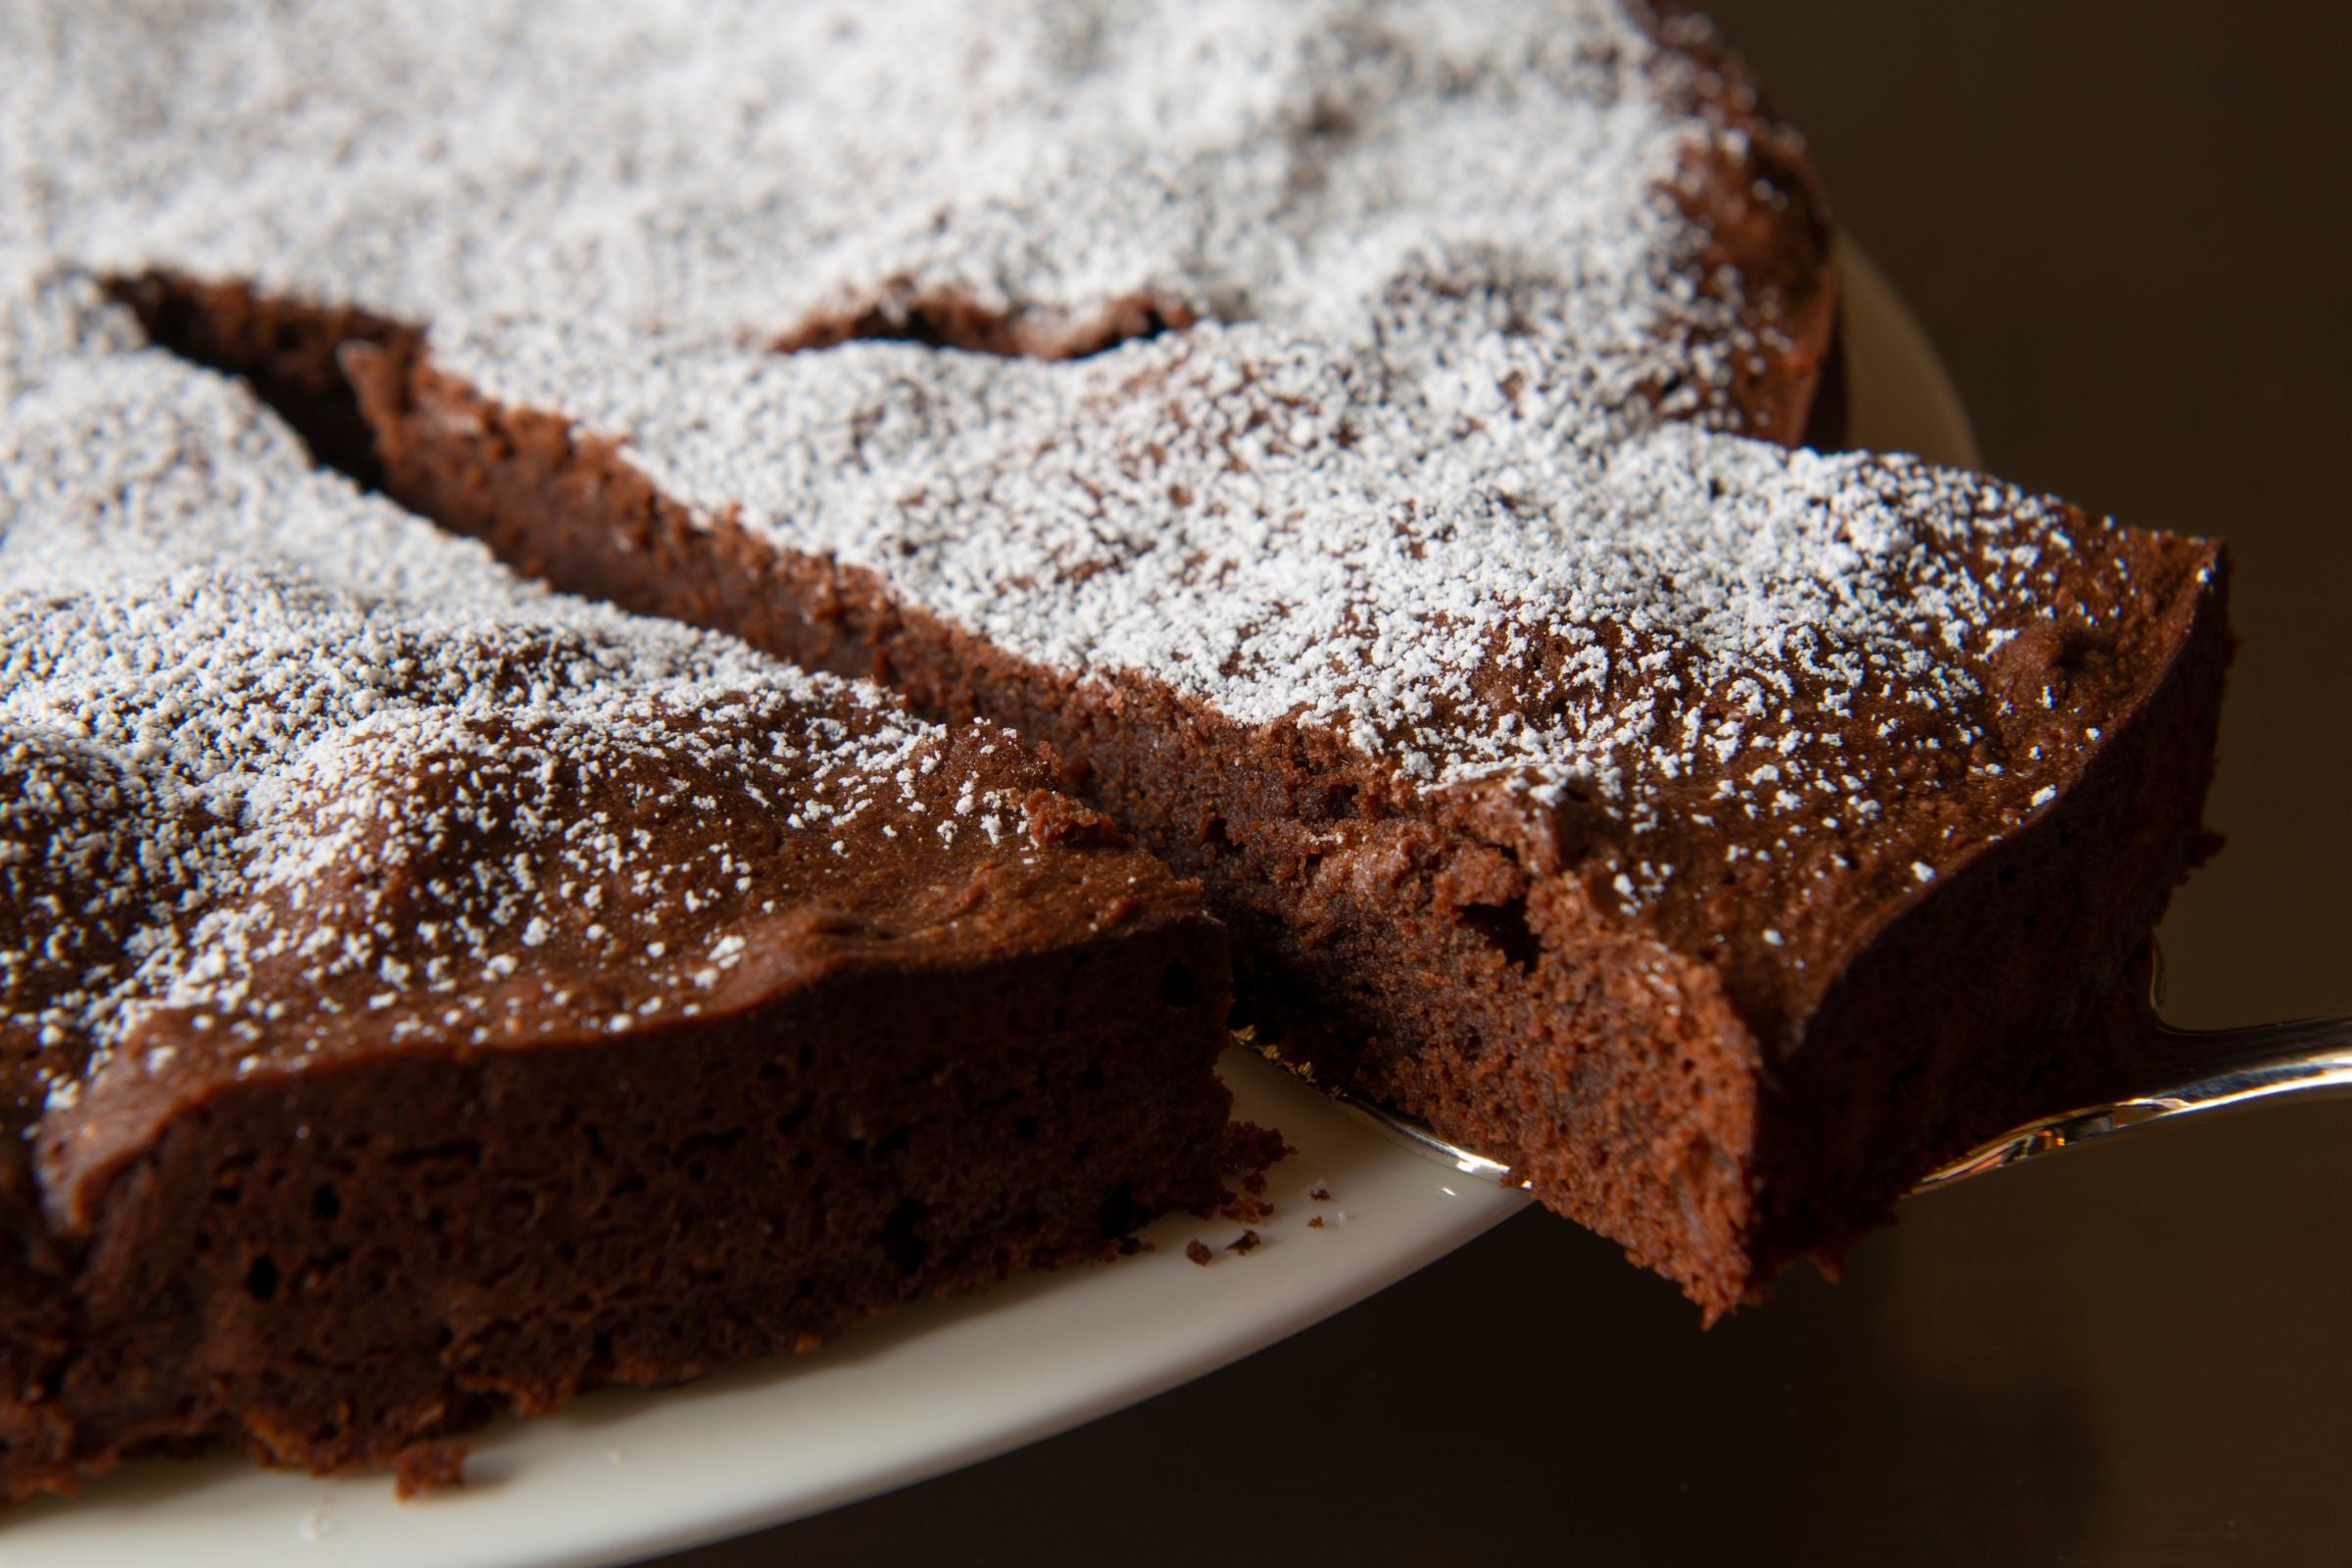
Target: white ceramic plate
937 1385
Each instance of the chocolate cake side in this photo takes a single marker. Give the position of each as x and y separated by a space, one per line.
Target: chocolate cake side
1745 1067
331 1266
422 997
1752 190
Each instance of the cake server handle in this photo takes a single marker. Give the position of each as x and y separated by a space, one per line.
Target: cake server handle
2257 1062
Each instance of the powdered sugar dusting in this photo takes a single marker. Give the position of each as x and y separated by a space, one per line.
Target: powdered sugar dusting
1461 566
743 166
280 755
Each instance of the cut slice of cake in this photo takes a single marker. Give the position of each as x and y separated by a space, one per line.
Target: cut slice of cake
1721 835
424 996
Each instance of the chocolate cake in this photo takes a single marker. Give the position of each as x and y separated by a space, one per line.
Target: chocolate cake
422 996
1332 429
1718 834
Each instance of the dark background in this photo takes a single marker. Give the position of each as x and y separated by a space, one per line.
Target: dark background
2125 226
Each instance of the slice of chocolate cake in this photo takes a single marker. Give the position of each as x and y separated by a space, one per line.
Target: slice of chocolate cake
1719 834
424 996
